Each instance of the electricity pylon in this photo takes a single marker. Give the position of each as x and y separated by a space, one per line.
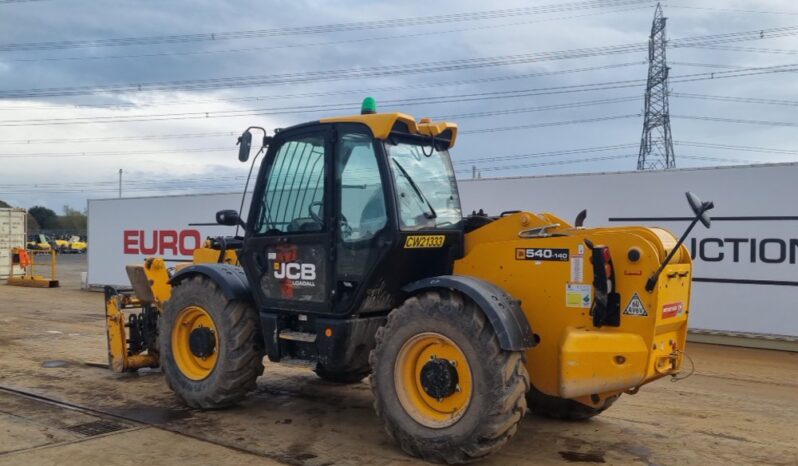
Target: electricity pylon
656 144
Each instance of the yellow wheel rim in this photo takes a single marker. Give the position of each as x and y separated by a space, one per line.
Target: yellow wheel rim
413 356
192 366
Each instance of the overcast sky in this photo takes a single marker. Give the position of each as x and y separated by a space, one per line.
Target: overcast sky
41 163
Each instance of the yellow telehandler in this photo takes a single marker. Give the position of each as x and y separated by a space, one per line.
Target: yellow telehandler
356 259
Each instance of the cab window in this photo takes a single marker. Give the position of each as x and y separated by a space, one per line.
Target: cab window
360 187
293 201
426 188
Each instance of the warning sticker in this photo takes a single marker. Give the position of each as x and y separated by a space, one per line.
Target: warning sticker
635 307
578 268
672 310
577 295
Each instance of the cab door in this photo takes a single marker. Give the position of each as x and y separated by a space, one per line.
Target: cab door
288 243
365 231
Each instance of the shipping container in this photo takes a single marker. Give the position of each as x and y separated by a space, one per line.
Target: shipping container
13 234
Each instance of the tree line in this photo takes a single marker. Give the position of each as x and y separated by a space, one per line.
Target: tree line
43 219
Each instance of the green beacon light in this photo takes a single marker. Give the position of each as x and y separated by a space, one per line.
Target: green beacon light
369 106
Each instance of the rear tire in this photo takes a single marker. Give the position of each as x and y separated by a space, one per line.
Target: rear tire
496 380
562 408
236 361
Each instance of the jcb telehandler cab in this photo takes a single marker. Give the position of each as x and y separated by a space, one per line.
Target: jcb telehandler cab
355 259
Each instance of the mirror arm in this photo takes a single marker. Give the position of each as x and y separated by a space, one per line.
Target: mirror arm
652 281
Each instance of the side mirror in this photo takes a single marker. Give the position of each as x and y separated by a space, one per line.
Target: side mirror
244 145
228 217
700 208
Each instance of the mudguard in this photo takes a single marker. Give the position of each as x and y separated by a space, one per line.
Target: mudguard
503 311
231 279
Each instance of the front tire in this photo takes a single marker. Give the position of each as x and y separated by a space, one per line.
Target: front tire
211 349
443 386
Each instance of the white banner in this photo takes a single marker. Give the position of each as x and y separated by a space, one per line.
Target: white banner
125 231
746 272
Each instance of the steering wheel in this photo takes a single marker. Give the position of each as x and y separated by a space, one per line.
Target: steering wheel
346 228
316 217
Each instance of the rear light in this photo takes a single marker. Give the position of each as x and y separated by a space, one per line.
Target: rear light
607 303
608 271
604 274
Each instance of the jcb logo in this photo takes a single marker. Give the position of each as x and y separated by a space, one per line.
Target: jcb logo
294 271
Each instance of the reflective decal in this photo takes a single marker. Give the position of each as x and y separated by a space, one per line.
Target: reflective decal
672 310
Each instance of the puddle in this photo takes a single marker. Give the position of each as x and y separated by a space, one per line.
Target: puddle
56 363
151 414
578 457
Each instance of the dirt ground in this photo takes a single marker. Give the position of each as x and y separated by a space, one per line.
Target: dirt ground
58 407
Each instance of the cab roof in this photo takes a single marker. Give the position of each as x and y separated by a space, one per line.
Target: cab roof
383 124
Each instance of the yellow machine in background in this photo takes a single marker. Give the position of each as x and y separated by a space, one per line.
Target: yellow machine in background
76 245
40 242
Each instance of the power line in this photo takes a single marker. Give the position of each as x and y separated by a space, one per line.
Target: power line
113 183
595 159
223 149
746 100
152 137
733 48
470 161
458 98
757 34
708 145
548 124
123 153
552 163
318 29
734 10
719 159
536 155
736 120
705 65
513 111
317 44
319 76
284 96
381 71
213 182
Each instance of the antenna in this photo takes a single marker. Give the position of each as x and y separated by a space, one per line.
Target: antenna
656 144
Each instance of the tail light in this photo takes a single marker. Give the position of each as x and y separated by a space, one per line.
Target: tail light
607 303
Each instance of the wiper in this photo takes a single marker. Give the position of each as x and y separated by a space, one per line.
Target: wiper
431 214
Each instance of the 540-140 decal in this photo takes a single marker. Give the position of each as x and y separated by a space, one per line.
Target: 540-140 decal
542 254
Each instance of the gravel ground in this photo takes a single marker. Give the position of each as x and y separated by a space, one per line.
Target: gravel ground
739 407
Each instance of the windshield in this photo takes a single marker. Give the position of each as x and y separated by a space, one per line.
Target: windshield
426 189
